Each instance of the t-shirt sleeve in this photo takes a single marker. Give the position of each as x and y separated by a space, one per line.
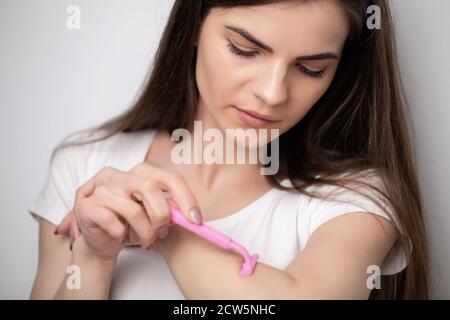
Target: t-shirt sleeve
56 197
344 201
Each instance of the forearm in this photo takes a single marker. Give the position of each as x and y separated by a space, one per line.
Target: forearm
95 276
204 271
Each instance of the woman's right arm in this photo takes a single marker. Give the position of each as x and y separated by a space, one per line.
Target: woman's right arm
55 257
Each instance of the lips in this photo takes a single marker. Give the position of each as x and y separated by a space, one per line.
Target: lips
254 119
257 115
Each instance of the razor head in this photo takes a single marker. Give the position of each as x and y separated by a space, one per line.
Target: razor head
249 265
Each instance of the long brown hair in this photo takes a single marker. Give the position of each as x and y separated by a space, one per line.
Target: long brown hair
359 123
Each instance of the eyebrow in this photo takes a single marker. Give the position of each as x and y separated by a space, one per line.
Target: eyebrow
259 43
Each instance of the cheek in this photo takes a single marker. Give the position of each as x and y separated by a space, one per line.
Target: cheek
304 99
311 90
214 74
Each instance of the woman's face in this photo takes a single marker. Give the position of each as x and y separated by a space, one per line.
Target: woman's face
281 81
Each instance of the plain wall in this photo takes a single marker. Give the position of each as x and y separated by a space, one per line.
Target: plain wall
54 81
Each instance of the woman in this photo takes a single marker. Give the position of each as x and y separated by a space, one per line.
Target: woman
330 86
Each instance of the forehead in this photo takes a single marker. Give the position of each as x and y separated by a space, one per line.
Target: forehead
300 26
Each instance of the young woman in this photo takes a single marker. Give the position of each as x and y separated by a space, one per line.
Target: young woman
343 203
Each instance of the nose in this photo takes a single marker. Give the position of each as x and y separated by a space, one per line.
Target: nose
271 86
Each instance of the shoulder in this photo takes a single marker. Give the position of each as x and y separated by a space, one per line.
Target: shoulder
85 152
75 160
349 246
358 206
365 192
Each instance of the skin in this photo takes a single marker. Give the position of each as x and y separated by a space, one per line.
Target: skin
270 83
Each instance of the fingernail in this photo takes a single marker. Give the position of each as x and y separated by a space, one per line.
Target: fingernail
196 215
162 232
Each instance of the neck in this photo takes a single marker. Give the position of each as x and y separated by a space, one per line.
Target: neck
202 159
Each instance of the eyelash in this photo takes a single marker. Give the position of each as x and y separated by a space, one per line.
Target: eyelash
252 54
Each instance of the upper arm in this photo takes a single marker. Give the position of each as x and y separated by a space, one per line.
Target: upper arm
54 257
334 263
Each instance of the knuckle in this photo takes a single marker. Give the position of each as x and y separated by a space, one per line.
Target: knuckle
107 219
175 176
150 185
100 191
138 168
79 192
176 180
114 178
107 170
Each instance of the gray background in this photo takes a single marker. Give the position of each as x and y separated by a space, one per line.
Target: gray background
54 81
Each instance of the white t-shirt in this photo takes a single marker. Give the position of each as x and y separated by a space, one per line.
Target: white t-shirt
276 226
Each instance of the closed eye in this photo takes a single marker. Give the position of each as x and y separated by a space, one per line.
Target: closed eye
251 54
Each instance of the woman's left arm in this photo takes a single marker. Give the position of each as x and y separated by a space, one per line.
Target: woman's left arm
333 265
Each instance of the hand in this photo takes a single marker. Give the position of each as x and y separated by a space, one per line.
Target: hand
113 200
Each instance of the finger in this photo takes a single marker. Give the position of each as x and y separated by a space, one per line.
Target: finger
176 186
73 238
132 238
71 241
152 247
75 229
159 213
64 226
145 191
131 211
162 232
172 204
88 188
107 221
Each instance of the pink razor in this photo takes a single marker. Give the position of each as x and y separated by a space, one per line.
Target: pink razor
218 238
